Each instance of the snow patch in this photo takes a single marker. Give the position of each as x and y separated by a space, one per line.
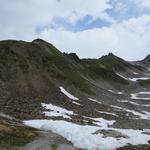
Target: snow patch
111 91
122 76
142 78
94 100
101 121
123 101
117 107
135 73
133 79
120 93
83 136
136 96
55 111
108 113
134 103
68 94
145 92
144 115
127 101
146 105
76 103
148 69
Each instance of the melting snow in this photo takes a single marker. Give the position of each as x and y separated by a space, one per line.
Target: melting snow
144 115
94 100
83 136
115 92
119 92
68 94
142 78
76 103
146 105
123 101
117 107
108 113
144 92
147 113
101 121
134 103
122 76
136 96
133 79
135 73
111 91
127 101
55 111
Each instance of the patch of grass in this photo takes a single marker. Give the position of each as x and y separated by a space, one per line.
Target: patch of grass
63 68
14 134
95 70
114 63
54 147
16 56
60 67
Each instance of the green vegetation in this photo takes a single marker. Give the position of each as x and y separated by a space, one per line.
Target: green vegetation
95 70
68 67
22 58
15 134
63 68
112 62
54 147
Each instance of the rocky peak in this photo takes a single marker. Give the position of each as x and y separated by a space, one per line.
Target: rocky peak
147 59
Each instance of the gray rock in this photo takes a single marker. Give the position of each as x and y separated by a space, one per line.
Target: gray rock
111 133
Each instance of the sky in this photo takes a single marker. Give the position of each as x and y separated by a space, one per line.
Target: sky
90 28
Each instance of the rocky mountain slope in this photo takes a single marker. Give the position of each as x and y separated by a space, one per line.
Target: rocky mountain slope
147 59
109 94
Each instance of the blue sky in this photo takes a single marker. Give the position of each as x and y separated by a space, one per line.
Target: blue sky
90 28
85 23
120 10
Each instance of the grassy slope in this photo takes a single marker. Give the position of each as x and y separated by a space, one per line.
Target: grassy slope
60 67
112 62
14 133
95 70
70 67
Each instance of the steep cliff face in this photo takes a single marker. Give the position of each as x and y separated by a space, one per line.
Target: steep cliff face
147 59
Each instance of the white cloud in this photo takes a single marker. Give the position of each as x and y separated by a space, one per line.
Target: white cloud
19 18
129 39
143 3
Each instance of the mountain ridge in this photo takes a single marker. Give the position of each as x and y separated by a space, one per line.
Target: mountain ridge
37 81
